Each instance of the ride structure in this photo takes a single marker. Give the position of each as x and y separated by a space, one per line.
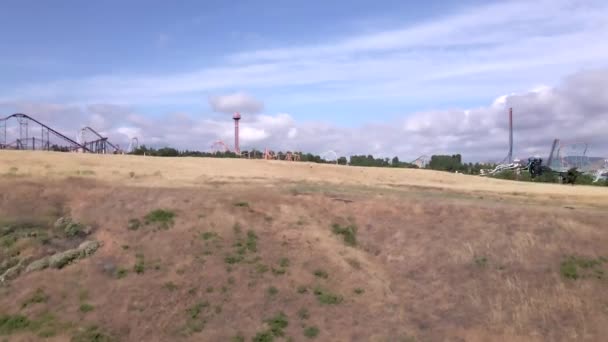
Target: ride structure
31 134
98 143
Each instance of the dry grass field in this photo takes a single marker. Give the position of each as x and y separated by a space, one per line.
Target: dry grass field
196 249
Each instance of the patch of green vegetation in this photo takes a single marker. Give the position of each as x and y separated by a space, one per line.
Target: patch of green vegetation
209 289
284 262
209 235
252 241
91 334
263 336
10 324
125 247
195 310
359 290
319 273
44 326
311 332
354 263
326 297
261 268
278 271
272 291
134 224
37 297
74 229
581 267
170 286
302 289
85 172
277 323
349 233
140 265
241 204
238 338
303 313
162 217
481 261
85 307
121 273
233 259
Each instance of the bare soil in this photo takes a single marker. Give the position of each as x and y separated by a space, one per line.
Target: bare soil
438 257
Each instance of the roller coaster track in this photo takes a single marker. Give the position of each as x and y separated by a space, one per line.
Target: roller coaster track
27 142
98 145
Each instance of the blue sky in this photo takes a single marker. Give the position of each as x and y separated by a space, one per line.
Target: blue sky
346 65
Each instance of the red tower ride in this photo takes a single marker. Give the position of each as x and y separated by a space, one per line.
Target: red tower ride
236 117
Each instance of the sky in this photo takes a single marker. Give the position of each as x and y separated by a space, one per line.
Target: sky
387 78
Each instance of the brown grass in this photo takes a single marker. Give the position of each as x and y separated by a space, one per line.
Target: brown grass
434 260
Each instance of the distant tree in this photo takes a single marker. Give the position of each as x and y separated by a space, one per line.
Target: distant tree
342 161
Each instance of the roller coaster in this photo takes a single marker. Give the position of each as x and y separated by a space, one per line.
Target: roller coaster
22 132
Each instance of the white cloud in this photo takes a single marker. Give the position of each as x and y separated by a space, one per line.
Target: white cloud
237 102
575 110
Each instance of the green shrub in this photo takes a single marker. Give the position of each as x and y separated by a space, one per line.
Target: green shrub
38 297
91 334
303 313
359 290
208 235
321 274
326 297
284 262
241 204
252 241
140 265
85 307
311 332
13 323
133 224
302 289
164 218
349 233
277 324
272 291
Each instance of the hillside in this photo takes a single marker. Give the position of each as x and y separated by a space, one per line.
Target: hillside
240 250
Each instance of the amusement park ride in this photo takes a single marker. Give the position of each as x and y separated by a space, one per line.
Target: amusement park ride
22 132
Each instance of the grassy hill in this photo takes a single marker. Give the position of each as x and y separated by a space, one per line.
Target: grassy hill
236 250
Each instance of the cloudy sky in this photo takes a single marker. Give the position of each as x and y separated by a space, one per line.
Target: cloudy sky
384 77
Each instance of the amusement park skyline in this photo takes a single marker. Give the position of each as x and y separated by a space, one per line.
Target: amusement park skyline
355 77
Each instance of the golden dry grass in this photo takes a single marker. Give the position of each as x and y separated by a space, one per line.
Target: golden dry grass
440 257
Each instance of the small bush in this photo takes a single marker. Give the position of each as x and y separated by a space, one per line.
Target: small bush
359 290
238 338
263 336
284 262
252 241
354 263
303 313
582 267
302 289
164 218
272 291
233 259
278 271
208 235
261 268
170 286
85 307
13 323
321 274
121 273
140 266
311 332
326 297
241 204
91 334
195 310
134 224
277 324
349 233
38 297
209 289
481 261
